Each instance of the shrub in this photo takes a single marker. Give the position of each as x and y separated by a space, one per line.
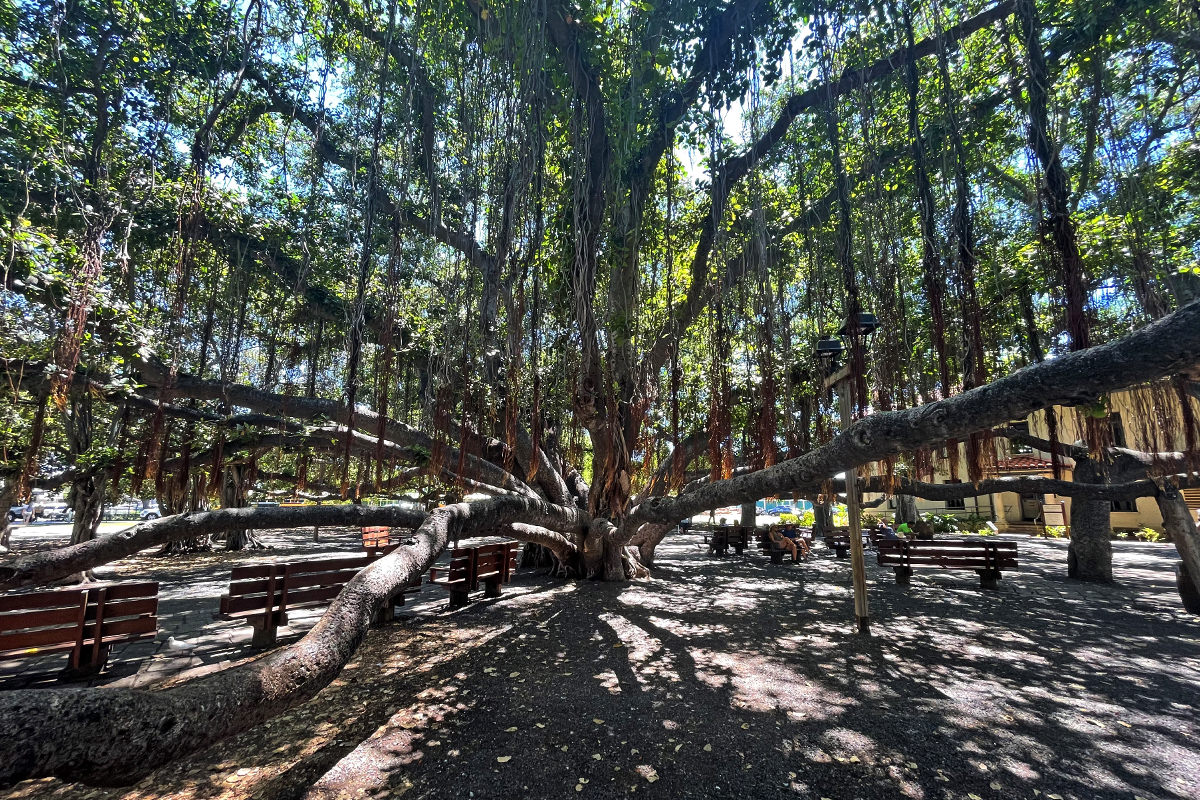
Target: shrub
788 519
1151 535
807 519
869 520
1056 531
943 523
975 523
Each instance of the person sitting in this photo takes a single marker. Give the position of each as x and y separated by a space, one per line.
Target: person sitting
904 529
779 540
886 531
792 534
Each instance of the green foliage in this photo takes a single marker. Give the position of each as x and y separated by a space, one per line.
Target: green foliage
1055 531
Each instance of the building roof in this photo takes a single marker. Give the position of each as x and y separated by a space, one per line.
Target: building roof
1024 464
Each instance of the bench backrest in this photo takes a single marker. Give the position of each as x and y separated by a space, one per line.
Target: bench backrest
496 560
954 553
120 612
461 566
376 536
277 587
63 619
41 621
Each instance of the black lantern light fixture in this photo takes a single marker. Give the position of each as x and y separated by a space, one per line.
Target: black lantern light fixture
859 327
829 350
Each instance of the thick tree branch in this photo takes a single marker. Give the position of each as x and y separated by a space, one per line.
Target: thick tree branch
46 732
1162 348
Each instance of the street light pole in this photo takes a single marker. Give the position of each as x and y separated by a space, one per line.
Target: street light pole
860 328
858 564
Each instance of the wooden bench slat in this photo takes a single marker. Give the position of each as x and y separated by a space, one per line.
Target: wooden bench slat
57 598
125 608
43 618
37 638
120 627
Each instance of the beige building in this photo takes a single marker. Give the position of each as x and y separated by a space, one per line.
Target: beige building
1131 412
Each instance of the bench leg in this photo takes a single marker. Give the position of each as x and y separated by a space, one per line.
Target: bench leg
903 574
87 661
491 588
776 556
265 634
458 598
842 552
989 578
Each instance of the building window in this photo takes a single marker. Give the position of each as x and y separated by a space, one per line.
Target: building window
1020 448
957 503
1117 429
1124 505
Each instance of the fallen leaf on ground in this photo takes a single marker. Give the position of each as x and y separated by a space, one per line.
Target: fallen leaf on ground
708 748
503 759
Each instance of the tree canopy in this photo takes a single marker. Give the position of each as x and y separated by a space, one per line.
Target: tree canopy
576 256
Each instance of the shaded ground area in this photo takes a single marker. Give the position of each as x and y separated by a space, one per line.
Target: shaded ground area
737 678
189 592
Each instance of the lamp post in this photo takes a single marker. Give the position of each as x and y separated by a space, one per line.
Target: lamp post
856 331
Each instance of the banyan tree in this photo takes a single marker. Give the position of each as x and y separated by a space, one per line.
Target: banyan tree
562 267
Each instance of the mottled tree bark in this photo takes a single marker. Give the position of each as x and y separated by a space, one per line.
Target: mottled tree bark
1181 527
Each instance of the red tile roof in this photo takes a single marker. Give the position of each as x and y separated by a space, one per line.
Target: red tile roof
1023 464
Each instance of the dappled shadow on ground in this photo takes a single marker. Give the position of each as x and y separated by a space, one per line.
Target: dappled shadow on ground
737 678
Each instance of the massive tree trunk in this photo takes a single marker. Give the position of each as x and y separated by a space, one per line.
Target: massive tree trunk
1089 556
1181 527
8 498
906 509
233 495
748 512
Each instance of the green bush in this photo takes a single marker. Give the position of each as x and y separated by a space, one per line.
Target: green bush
807 519
943 523
1151 535
869 520
1056 531
788 519
975 524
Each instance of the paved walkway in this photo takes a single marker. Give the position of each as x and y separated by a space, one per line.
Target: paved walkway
742 679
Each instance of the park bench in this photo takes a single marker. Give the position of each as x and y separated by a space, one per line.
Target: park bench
86 621
839 543
721 539
493 564
987 558
377 540
770 540
263 594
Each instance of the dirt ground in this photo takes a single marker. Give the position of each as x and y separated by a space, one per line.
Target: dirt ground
737 678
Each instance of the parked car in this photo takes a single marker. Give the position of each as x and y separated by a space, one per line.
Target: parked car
16 513
57 511
132 509
777 510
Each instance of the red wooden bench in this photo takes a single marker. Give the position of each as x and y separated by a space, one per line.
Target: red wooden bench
377 540
987 558
262 594
493 564
86 621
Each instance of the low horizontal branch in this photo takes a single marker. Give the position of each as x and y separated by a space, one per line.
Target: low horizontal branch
1164 347
43 567
54 732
